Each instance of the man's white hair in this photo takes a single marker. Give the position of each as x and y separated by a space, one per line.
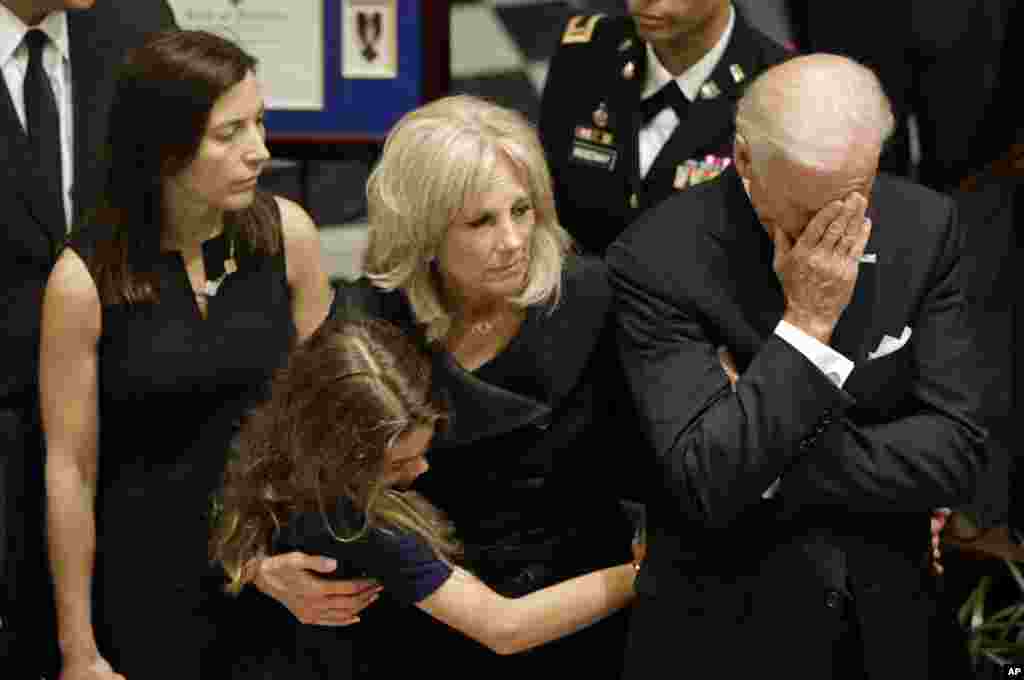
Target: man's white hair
814 110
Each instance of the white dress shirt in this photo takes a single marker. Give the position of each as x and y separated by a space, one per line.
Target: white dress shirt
653 136
57 64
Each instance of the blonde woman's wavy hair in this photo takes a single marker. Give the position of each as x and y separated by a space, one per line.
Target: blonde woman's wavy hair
436 161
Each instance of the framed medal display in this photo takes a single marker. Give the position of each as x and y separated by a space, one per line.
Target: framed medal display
337 73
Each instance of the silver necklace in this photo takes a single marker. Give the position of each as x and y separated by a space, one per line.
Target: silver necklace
210 288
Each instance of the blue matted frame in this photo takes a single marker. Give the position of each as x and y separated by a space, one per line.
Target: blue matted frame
361 111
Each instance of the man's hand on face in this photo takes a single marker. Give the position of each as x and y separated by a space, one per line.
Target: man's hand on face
819 270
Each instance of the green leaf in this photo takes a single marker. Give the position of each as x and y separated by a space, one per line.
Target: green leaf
1006 613
1015 619
974 646
1013 648
998 660
1015 570
993 626
978 607
971 604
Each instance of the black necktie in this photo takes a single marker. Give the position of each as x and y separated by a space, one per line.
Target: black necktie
42 119
668 95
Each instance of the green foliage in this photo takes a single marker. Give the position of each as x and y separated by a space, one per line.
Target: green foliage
997 638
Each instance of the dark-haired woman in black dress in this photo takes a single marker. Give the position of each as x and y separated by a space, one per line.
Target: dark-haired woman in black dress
162 322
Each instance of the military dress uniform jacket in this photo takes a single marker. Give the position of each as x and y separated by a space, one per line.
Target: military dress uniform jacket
590 116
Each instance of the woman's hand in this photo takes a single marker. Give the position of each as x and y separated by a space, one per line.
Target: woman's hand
89 668
289 579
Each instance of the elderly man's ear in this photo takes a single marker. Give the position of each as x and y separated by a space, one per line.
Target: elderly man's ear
742 156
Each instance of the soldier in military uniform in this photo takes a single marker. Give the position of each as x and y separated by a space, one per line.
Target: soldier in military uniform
617 139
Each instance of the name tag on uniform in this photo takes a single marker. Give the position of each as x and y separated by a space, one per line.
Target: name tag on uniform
593 155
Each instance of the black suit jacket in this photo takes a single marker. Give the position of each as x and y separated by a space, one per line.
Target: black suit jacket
861 467
595 203
32 235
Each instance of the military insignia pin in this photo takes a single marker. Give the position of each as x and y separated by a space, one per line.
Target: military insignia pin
625 44
600 116
580 29
709 90
683 173
628 71
737 73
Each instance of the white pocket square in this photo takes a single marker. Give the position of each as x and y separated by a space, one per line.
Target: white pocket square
889 344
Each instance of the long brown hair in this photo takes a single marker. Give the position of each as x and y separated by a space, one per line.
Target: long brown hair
344 397
162 101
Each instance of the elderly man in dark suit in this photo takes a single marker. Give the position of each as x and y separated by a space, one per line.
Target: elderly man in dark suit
638 107
59 59
790 534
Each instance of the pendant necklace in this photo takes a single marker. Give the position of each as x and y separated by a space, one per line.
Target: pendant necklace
210 288
482 327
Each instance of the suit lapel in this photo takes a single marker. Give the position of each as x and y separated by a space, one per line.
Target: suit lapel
707 119
627 104
14 143
481 410
856 323
24 176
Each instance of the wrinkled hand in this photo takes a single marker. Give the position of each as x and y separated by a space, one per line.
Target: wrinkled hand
92 668
819 270
729 366
311 599
938 523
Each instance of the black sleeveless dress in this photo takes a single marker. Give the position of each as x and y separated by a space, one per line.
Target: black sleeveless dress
173 388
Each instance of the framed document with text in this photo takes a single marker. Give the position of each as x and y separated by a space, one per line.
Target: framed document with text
335 72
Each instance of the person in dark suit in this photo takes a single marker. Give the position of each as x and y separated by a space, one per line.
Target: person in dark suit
793 519
637 107
40 202
938 62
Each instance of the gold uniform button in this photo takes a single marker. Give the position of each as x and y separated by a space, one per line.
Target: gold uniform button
634 201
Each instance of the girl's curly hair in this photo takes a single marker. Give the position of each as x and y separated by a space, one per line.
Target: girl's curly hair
343 399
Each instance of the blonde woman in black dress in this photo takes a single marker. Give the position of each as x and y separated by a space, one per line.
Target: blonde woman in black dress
467 256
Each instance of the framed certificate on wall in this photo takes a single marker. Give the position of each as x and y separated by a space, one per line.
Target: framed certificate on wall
336 72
